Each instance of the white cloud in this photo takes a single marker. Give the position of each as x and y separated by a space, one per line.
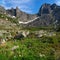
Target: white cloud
22 4
26 9
57 2
17 1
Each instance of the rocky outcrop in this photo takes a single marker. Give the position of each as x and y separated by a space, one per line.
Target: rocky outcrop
42 21
49 15
2 10
22 16
45 9
11 12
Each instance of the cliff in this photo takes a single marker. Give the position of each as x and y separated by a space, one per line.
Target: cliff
48 15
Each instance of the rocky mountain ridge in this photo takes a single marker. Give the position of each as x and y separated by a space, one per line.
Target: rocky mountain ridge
22 16
49 15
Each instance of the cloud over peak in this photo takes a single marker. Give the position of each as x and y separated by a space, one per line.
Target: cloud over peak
22 4
57 2
29 6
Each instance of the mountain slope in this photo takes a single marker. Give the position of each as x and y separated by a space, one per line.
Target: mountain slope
8 26
49 15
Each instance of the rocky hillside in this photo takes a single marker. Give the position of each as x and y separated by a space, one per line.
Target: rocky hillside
8 27
21 15
49 15
2 10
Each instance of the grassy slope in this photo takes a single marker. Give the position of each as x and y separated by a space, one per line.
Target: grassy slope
30 48
8 24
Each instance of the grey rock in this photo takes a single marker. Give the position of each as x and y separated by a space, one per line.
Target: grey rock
22 16
45 9
2 10
48 15
18 36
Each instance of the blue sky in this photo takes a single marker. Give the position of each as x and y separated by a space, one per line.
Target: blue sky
29 6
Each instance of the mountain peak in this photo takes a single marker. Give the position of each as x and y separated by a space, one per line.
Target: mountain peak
48 14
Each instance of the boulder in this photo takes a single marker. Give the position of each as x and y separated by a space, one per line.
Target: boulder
45 9
2 10
18 36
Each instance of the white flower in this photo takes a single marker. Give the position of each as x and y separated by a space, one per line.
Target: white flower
19 55
42 55
14 56
15 47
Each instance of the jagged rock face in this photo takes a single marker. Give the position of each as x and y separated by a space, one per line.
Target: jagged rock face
56 13
11 12
52 10
17 12
53 6
26 17
2 10
45 9
22 16
42 21
48 15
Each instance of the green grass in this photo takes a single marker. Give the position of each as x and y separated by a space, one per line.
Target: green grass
29 49
13 20
37 28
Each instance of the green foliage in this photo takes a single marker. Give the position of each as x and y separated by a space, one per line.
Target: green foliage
38 28
13 20
29 49
47 40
